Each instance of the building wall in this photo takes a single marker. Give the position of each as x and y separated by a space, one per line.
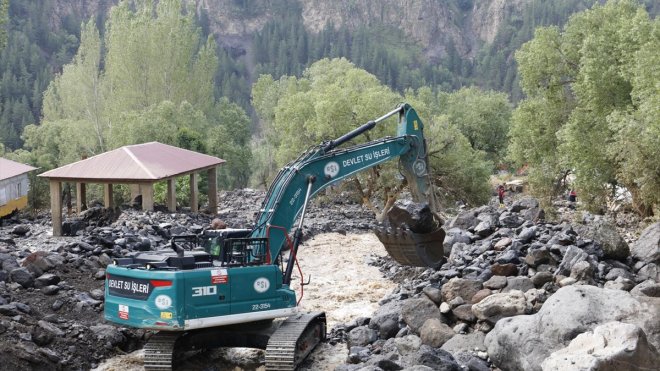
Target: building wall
13 193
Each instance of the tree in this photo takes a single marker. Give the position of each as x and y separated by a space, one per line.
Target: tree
586 98
334 97
483 118
460 171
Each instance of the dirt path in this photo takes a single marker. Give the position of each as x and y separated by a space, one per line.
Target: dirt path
342 284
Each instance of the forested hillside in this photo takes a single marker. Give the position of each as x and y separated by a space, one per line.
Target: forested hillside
277 39
232 77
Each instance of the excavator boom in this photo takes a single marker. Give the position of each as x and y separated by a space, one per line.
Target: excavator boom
327 164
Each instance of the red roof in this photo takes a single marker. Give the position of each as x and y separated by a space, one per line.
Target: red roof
139 162
10 169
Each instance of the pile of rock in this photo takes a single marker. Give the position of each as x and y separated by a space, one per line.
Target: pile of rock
515 293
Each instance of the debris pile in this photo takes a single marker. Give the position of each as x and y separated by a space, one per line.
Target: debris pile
516 291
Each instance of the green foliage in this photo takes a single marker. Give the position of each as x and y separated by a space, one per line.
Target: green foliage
334 97
155 82
459 170
483 118
587 97
229 139
32 51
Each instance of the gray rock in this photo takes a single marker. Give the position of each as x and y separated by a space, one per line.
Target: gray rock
435 333
510 220
497 306
614 246
358 354
523 342
84 298
583 272
386 312
464 313
536 257
527 234
647 246
51 328
458 253
437 359
541 278
418 368
22 276
464 220
508 257
523 204
495 282
50 290
97 294
460 287
484 229
46 279
616 272
650 271
518 283
9 310
406 345
620 284
388 329
455 235
458 343
433 293
572 256
20 230
110 334
502 244
612 346
416 311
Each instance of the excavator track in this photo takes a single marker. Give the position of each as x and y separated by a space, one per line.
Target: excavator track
415 249
294 340
159 351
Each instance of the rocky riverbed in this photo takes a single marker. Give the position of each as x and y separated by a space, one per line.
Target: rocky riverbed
517 292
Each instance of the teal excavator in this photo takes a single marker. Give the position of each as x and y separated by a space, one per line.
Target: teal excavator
232 287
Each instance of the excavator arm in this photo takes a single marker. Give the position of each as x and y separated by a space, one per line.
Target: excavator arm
327 164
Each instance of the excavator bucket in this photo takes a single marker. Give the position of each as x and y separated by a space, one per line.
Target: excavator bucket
413 235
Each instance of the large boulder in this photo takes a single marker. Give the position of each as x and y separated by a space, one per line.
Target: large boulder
604 232
464 220
435 333
572 256
417 311
523 342
463 287
647 247
613 346
497 306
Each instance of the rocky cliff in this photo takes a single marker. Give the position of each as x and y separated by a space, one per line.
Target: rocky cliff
433 24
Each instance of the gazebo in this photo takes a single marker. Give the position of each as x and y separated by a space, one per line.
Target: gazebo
139 165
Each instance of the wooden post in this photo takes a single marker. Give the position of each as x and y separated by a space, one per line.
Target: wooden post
213 190
171 195
193 193
147 191
135 191
81 197
107 195
56 206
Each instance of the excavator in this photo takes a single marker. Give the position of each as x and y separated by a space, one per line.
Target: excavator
232 287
